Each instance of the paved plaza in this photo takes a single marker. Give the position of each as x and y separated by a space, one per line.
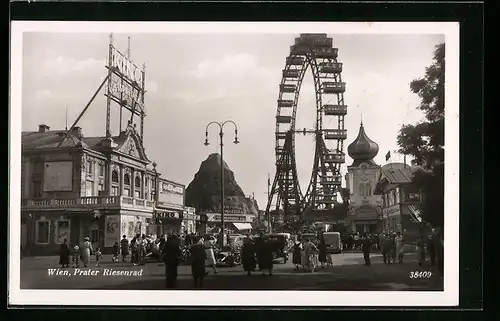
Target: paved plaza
348 274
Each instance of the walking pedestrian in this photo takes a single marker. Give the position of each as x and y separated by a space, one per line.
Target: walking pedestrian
197 259
86 251
431 249
266 257
421 251
133 249
209 253
75 256
125 248
171 253
366 247
248 256
399 247
64 254
296 254
116 252
98 257
322 251
143 244
387 249
308 252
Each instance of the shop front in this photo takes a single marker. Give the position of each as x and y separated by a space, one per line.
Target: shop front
233 223
366 219
167 222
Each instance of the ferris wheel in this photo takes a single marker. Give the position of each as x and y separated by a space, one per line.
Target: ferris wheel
314 51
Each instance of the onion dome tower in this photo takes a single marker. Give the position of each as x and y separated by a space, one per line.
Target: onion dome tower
362 149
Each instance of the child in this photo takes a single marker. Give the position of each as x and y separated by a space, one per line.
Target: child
329 260
98 257
75 256
116 252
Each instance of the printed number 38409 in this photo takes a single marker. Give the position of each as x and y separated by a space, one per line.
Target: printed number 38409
420 274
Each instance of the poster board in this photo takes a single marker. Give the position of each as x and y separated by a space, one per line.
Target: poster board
112 231
58 176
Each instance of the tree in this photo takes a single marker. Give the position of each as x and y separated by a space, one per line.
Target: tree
425 140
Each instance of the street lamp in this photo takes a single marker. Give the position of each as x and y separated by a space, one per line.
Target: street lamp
221 135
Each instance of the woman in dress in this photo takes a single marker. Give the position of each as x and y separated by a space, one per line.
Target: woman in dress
209 254
308 253
86 250
170 254
399 247
296 254
64 254
124 247
248 255
197 258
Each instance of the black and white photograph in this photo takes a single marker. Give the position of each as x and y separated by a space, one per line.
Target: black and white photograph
236 163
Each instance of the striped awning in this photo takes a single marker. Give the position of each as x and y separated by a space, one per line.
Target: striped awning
415 213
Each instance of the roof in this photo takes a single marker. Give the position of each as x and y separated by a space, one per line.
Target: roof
397 173
51 139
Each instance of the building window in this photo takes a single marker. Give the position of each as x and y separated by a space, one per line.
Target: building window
101 170
137 194
89 167
100 188
137 181
114 190
42 232
126 191
89 188
37 189
146 183
126 179
62 231
146 196
114 177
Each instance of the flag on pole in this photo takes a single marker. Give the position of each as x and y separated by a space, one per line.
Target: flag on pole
387 156
268 179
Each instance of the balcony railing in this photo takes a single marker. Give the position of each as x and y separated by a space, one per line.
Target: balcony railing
88 202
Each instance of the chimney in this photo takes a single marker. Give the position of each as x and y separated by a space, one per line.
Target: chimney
77 131
43 128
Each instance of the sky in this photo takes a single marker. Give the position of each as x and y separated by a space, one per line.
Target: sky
193 79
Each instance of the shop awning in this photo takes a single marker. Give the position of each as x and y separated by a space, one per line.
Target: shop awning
243 226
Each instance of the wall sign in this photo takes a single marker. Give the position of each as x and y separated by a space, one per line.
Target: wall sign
214 217
392 210
169 187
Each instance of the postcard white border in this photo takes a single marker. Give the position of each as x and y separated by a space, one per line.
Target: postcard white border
448 297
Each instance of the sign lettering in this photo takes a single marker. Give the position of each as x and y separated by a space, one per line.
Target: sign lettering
167 187
391 210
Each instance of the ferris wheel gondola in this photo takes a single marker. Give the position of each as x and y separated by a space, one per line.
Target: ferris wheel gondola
314 52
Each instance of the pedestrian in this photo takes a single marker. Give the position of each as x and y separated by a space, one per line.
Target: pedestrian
133 250
366 247
322 252
421 251
197 259
86 251
171 253
308 253
393 248
124 248
209 254
64 254
248 256
116 252
400 247
266 257
296 254
431 249
98 257
75 256
143 245
387 249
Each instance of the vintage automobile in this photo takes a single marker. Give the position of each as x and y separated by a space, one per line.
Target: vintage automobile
280 245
